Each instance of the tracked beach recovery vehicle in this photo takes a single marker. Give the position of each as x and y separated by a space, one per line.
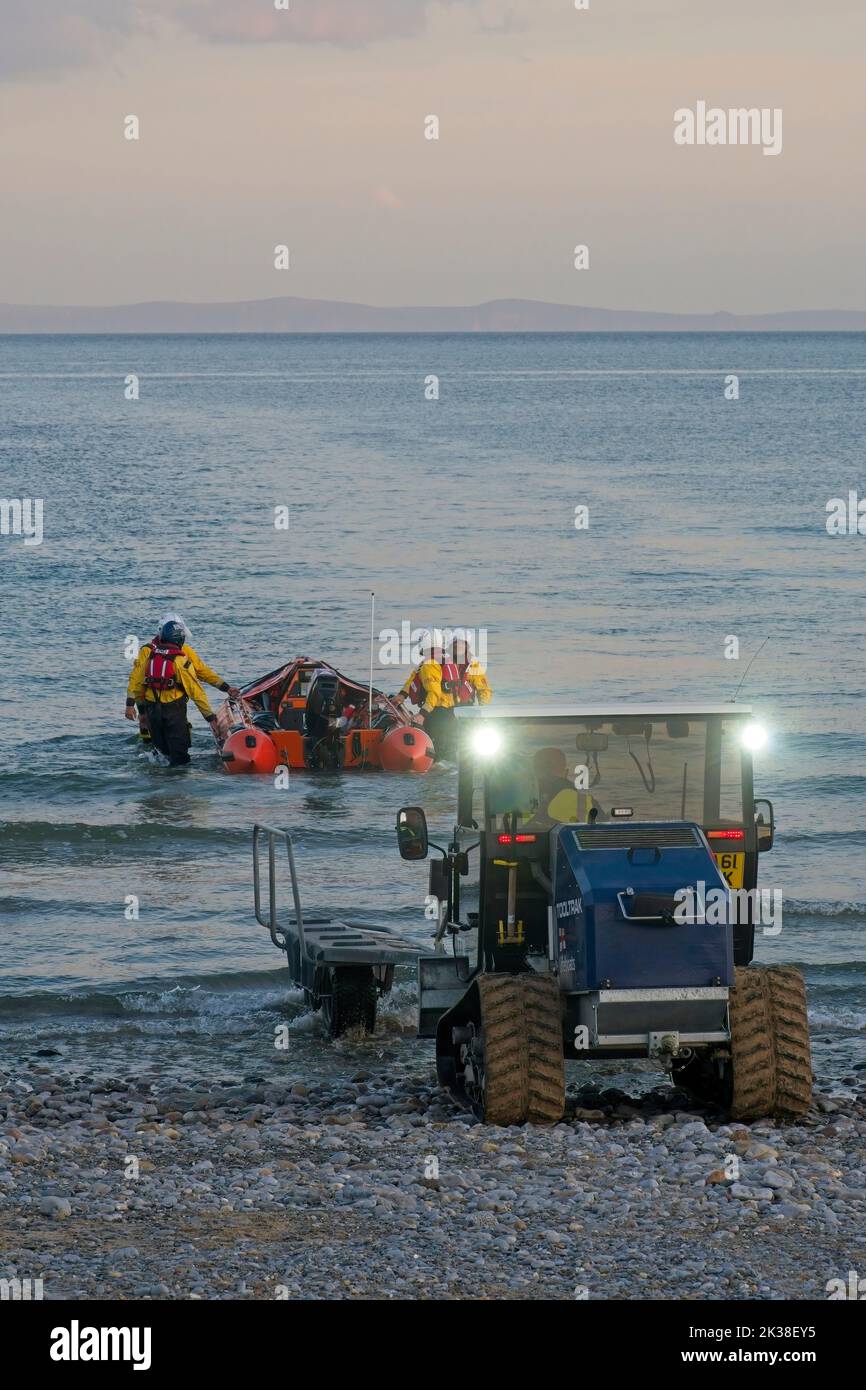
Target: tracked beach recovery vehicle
597 900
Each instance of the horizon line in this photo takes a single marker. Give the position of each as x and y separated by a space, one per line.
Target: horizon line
296 314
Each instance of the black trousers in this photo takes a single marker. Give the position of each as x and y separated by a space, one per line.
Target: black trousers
441 726
169 729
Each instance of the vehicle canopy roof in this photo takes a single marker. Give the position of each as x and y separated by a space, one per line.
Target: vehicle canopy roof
656 761
632 709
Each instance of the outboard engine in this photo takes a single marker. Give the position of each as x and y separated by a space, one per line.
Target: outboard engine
322 699
323 705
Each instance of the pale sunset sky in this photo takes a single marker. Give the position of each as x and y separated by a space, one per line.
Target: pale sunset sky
306 127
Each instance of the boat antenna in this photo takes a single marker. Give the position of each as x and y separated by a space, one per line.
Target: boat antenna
748 669
372 639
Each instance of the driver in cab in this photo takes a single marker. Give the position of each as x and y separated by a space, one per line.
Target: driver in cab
560 802
546 791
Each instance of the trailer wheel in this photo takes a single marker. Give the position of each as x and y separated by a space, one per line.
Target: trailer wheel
349 999
771 1066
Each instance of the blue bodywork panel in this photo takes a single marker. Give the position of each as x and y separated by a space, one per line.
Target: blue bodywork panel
598 947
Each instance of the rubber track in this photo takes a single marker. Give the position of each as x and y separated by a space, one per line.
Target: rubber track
523 1062
506 1092
546 1065
769 1043
787 992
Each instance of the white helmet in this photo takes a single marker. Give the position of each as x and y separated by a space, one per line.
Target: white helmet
174 618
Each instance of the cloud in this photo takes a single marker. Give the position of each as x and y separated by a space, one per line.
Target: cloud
36 36
349 23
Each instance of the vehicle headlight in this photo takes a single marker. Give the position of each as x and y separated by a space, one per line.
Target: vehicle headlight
753 737
486 742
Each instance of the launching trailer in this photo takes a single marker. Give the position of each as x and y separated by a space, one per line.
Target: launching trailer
342 967
594 902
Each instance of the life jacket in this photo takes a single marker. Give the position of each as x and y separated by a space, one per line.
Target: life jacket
160 673
455 684
416 692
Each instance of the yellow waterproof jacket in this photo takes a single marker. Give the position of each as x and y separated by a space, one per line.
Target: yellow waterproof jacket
570 806
567 806
479 682
203 673
188 682
429 675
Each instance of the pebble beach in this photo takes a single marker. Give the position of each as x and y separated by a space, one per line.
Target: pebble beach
364 1187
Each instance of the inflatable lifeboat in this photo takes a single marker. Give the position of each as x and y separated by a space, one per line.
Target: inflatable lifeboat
307 715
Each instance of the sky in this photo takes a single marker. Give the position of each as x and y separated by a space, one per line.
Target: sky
261 127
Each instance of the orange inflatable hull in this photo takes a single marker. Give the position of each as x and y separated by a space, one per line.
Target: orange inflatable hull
281 711
249 750
358 749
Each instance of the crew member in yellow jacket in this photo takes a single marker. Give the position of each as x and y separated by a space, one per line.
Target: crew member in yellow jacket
203 673
464 678
167 674
438 687
560 802
423 687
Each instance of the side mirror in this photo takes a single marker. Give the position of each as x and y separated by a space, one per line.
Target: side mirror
765 825
412 833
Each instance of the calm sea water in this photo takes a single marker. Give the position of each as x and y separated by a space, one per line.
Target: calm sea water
707 519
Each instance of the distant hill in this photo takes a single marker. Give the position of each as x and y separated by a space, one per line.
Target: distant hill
291 315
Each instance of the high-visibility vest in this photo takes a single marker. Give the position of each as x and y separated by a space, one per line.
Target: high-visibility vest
160 673
570 806
416 692
455 684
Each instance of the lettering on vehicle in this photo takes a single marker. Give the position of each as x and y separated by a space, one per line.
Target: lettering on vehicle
729 865
569 907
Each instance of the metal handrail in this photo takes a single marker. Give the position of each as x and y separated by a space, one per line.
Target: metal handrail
650 917
271 923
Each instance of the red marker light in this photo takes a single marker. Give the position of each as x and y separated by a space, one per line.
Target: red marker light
525 839
503 839
726 834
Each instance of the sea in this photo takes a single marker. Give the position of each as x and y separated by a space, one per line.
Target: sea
447 475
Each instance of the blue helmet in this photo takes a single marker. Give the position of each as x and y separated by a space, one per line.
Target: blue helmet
172 633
